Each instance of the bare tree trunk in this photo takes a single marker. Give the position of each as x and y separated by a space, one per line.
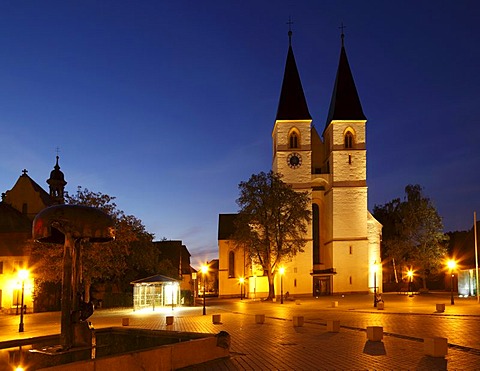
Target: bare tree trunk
87 285
271 285
395 270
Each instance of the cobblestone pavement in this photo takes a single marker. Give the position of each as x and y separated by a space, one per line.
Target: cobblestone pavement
278 345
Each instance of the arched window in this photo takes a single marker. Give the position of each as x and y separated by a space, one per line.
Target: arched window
293 140
348 139
231 264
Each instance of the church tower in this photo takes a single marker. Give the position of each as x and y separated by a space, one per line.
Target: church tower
291 132
57 184
346 198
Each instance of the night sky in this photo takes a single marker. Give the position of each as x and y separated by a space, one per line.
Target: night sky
168 105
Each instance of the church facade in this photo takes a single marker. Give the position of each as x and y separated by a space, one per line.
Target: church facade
342 254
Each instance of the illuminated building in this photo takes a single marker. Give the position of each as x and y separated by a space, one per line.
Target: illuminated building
18 208
344 238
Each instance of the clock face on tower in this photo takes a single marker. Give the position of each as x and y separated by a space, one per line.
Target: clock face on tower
294 160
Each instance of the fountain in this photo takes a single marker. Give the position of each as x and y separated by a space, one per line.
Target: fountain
72 225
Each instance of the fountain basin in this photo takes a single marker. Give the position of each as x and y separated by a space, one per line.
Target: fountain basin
119 348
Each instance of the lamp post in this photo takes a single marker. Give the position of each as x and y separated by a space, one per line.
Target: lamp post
375 284
22 274
204 274
451 265
241 280
282 271
194 277
410 277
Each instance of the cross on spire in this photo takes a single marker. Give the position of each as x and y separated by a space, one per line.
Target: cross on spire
24 171
342 27
290 22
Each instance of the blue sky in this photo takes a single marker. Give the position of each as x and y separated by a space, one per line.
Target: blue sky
168 105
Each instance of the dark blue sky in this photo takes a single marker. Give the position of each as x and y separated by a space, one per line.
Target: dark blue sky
168 105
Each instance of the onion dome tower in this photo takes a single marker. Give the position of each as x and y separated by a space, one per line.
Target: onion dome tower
57 184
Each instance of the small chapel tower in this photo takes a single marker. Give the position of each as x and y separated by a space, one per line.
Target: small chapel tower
57 184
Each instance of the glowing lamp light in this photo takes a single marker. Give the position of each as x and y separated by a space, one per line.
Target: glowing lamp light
204 269
281 271
23 274
451 264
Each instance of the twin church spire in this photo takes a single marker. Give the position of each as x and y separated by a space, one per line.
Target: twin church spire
344 105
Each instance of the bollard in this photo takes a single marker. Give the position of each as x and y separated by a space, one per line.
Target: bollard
169 320
297 302
334 304
375 333
259 318
381 305
333 325
298 321
125 321
216 319
435 347
440 307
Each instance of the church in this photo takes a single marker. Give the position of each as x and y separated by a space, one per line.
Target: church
342 253
18 208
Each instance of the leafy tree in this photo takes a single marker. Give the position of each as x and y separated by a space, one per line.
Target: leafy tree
129 256
271 223
413 231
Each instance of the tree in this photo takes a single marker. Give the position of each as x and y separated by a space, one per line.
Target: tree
271 223
131 253
413 231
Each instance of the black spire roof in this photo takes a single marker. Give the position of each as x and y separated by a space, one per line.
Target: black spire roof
292 104
345 103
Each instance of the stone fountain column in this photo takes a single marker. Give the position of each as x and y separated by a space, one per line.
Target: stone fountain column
70 225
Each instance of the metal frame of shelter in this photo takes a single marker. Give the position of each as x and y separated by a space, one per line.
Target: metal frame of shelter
155 291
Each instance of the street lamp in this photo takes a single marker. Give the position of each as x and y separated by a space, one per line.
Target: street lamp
451 265
281 271
204 274
194 278
22 274
375 267
410 278
241 280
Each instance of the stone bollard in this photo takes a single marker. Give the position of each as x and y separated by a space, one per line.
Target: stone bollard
216 319
125 321
259 318
435 347
169 320
297 302
381 305
298 321
333 325
375 333
440 307
334 304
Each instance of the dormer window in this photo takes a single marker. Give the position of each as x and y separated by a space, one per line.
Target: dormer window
348 139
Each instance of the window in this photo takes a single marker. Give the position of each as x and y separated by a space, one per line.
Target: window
293 140
348 139
1 267
351 250
231 264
